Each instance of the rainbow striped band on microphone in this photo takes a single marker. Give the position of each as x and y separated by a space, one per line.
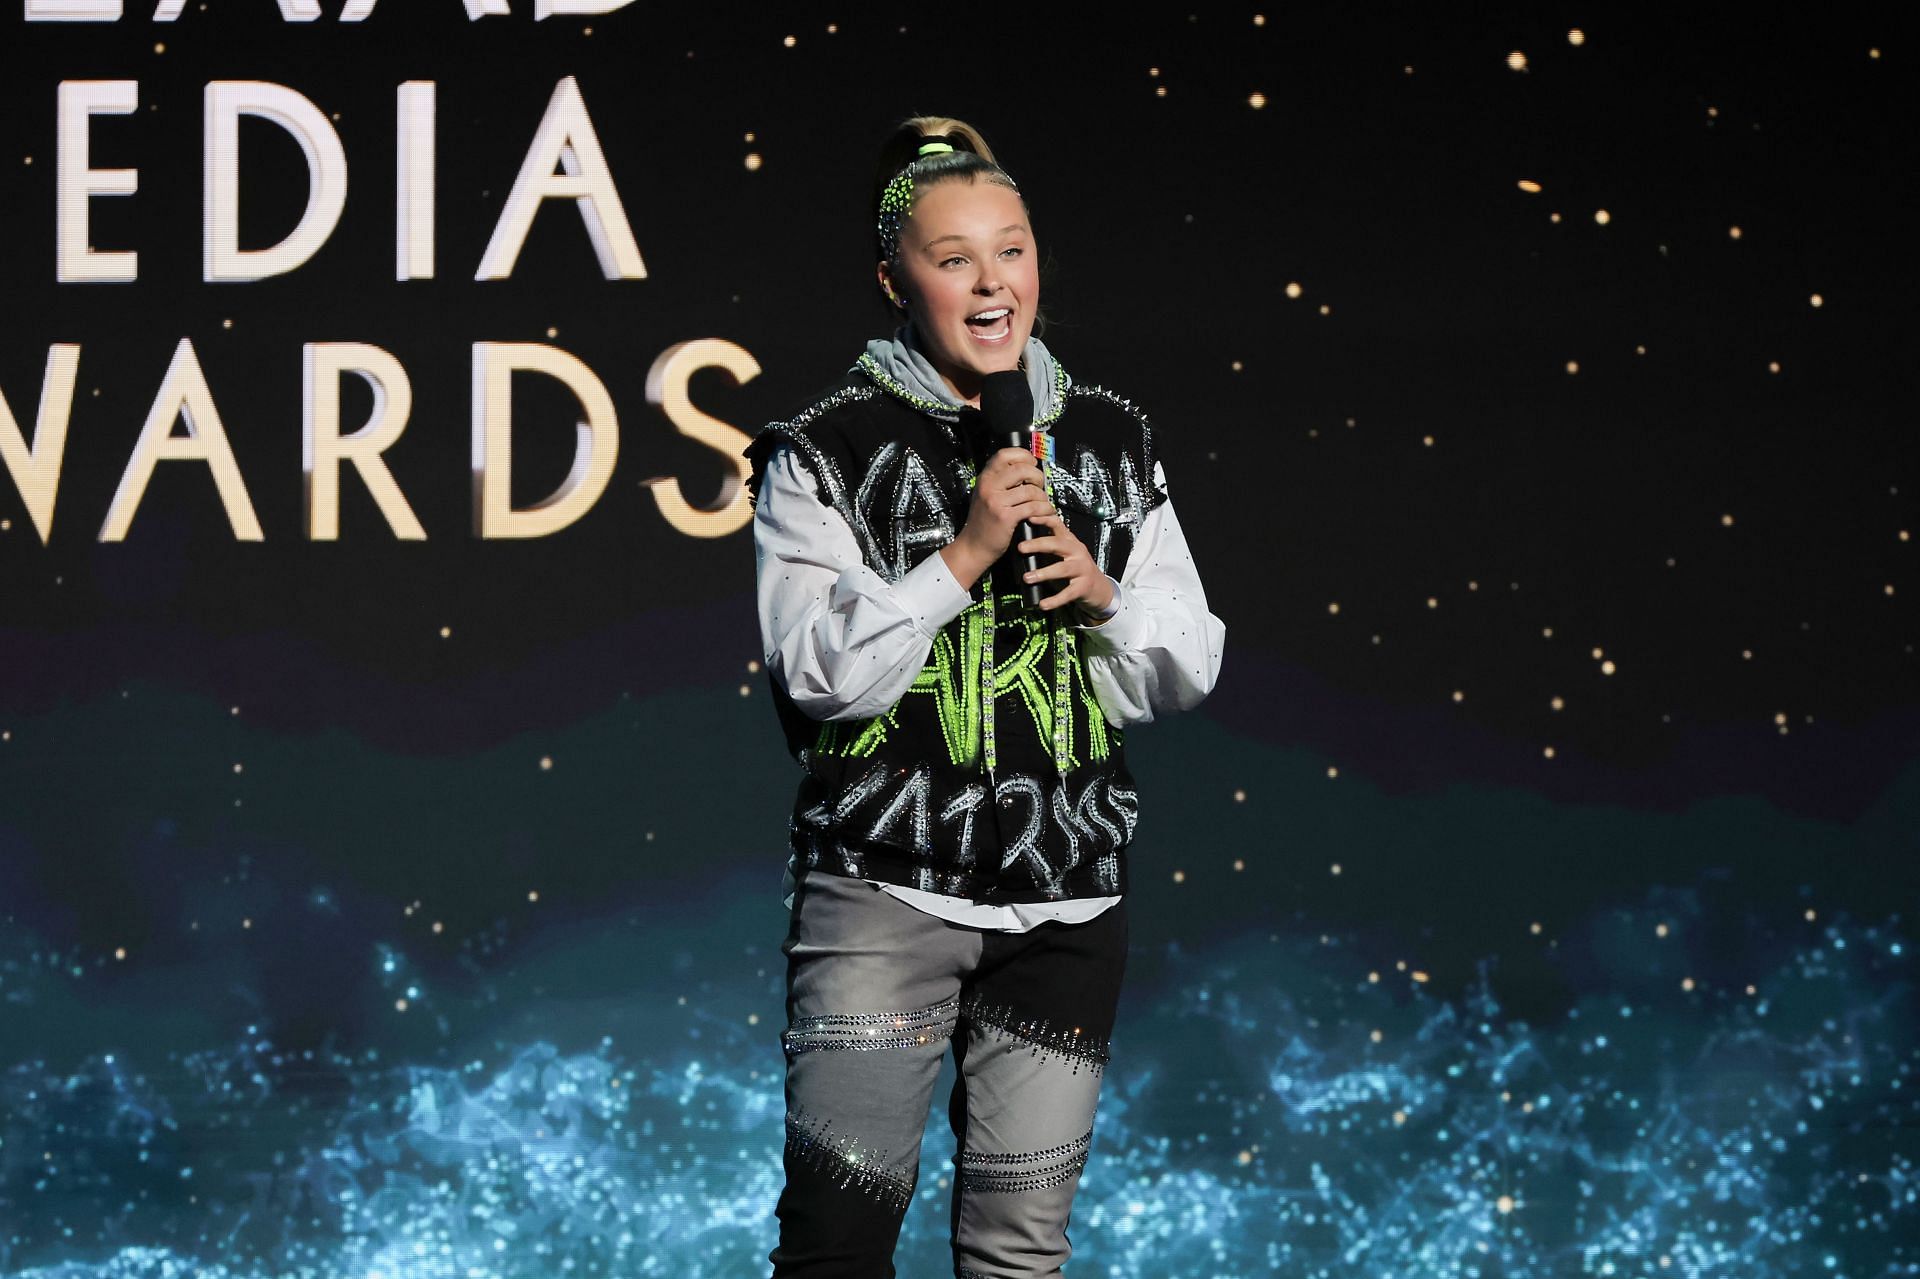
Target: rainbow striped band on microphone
1040 444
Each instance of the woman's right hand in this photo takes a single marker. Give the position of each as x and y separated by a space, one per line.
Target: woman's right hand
1010 488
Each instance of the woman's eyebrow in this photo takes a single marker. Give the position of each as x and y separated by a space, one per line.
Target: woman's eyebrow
1018 226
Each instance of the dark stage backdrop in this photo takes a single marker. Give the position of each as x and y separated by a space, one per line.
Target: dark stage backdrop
391 827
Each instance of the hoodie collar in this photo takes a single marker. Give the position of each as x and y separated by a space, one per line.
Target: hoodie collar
899 365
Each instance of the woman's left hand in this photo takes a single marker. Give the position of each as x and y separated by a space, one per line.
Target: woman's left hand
1085 582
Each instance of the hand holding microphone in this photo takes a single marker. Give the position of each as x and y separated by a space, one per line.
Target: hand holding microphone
1007 494
1013 486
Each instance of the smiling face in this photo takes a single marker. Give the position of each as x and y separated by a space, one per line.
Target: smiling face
967 251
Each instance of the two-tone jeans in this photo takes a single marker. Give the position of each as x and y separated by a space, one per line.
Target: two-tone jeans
876 991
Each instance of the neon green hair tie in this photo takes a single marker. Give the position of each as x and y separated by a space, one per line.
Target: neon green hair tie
933 148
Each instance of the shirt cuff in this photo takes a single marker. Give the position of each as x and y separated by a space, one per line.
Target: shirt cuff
931 595
1125 628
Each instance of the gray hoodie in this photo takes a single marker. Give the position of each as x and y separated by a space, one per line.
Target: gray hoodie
902 357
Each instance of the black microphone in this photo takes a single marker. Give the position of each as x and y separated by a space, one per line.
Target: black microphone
1006 411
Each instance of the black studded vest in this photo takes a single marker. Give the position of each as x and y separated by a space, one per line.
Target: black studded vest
996 776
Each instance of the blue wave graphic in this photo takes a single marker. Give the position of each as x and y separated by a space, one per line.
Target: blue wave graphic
1273 1109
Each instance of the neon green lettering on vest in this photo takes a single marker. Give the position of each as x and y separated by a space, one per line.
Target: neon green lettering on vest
957 697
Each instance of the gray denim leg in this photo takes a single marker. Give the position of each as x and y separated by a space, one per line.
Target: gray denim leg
1029 1125
873 1000
1033 1043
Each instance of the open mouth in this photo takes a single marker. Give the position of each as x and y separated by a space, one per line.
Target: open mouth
991 327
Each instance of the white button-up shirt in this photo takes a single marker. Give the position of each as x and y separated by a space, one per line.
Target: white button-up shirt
847 644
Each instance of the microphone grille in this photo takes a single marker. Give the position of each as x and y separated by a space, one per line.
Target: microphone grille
1006 401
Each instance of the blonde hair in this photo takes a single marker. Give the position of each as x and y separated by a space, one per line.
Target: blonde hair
929 125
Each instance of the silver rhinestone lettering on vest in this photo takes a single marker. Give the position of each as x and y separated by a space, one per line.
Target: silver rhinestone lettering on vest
912 507
1082 819
1092 488
963 806
819 817
1026 844
911 798
1126 802
851 798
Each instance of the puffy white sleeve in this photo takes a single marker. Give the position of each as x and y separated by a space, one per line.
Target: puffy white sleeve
1160 650
843 641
